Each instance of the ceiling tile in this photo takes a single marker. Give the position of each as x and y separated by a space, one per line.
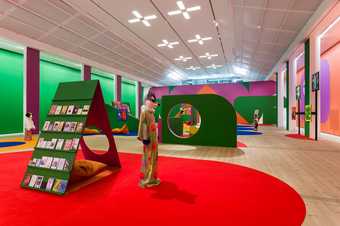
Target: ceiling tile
273 19
295 21
310 5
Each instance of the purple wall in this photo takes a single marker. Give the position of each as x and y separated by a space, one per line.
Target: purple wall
86 72
230 91
33 85
118 88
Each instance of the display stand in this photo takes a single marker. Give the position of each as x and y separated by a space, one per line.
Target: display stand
75 106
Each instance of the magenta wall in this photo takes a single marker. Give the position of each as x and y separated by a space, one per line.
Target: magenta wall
229 91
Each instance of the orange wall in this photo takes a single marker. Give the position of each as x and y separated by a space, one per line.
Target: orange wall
332 125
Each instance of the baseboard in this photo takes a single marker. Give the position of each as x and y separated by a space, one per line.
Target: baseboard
330 137
11 134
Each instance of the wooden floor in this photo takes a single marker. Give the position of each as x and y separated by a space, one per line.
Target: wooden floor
311 168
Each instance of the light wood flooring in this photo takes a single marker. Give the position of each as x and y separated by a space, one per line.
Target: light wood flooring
311 168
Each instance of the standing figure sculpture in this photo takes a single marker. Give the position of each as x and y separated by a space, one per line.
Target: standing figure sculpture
147 133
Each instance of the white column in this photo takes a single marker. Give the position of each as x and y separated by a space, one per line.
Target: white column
314 67
292 94
280 109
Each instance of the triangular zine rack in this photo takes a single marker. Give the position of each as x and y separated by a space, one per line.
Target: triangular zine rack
76 105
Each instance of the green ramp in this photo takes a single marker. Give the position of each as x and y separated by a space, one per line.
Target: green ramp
218 120
131 122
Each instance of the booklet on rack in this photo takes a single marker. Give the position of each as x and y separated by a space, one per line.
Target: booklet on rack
85 110
68 145
79 127
56 125
59 145
58 110
50 182
46 125
75 143
64 110
27 179
39 181
32 181
52 109
70 110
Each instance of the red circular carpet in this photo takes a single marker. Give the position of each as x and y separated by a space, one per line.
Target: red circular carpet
297 136
193 192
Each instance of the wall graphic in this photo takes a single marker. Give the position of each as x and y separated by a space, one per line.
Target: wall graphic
230 91
329 91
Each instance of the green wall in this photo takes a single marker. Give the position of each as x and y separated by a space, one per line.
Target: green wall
51 74
11 86
218 125
129 94
246 105
107 85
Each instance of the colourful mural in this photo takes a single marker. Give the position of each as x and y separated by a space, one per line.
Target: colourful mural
230 91
329 90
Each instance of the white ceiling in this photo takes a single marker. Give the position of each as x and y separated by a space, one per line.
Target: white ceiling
250 33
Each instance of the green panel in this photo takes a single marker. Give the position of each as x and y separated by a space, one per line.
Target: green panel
129 94
287 95
51 75
307 81
131 122
246 105
11 85
107 85
218 125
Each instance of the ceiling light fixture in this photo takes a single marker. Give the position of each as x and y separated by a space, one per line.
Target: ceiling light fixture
240 70
213 66
168 44
183 59
193 68
209 56
143 19
174 76
216 23
184 10
199 39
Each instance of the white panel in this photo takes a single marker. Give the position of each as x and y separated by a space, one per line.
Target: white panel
273 19
311 5
19 27
4 6
253 17
67 36
278 4
78 26
29 18
295 21
46 10
64 6
269 36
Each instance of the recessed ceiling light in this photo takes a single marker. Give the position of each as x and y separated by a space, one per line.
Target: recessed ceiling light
216 23
174 76
213 66
258 27
209 56
240 70
193 68
143 19
183 59
184 10
199 39
168 44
